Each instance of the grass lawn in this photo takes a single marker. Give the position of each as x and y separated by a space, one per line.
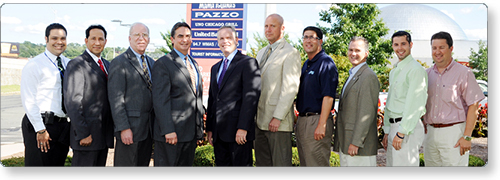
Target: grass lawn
11 88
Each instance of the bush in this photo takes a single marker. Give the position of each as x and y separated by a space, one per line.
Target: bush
204 156
19 162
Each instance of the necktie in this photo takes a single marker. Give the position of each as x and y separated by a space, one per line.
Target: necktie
61 70
264 59
224 68
146 73
102 67
191 73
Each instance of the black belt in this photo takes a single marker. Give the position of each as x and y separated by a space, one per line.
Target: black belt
57 119
308 114
394 120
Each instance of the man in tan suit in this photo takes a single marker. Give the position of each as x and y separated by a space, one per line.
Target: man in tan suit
280 76
356 137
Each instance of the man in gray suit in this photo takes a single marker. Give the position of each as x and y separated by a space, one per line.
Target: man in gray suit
177 98
280 77
86 89
130 97
356 137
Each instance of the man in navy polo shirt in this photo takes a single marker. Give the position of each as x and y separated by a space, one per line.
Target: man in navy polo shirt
318 84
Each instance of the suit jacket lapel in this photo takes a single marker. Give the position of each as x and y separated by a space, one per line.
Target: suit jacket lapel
93 64
354 80
135 63
213 77
230 69
179 63
273 56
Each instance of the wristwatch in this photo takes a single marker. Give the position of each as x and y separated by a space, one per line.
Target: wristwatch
467 138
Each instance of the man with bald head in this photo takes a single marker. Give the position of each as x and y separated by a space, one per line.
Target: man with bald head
280 76
130 98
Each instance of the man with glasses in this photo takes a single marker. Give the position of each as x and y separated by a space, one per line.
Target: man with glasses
130 97
317 90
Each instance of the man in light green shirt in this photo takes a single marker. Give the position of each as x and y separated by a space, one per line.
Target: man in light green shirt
405 105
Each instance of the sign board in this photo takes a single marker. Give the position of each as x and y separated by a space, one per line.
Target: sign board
205 19
10 49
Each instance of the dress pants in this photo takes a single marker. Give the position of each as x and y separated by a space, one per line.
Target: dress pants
232 154
347 160
136 154
408 155
311 151
180 154
439 146
273 148
59 145
90 158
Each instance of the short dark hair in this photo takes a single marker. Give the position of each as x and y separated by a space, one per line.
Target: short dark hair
318 31
401 33
54 26
96 26
177 26
443 35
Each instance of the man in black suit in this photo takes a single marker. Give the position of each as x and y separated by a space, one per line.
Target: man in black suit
177 98
87 105
232 103
130 97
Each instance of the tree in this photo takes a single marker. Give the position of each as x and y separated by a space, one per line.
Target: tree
348 20
30 50
479 61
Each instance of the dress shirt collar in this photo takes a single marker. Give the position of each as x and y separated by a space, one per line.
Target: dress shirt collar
139 56
354 70
182 56
231 56
276 44
452 63
94 57
404 62
52 57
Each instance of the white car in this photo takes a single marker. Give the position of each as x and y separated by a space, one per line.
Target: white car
484 87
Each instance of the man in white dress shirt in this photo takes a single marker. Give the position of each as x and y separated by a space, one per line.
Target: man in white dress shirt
45 126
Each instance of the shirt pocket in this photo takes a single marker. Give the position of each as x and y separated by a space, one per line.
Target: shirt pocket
449 93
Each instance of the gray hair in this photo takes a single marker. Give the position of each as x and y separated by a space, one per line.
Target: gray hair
230 27
135 24
359 38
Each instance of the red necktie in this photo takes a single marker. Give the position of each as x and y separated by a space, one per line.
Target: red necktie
102 67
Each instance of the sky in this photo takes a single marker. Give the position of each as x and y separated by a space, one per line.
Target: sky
27 22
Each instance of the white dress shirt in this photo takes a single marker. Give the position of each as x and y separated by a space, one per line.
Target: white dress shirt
41 88
96 59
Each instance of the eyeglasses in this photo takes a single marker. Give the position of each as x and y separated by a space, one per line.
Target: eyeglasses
138 35
310 38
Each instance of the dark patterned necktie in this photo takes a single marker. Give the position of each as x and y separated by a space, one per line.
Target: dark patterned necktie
224 68
146 73
61 70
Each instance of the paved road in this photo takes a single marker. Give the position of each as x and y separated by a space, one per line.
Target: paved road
12 113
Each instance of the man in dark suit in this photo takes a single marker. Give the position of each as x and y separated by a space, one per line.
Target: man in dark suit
232 103
177 98
86 92
356 137
130 97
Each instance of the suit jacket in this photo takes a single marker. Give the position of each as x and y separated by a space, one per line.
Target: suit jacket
233 106
178 107
280 78
357 118
86 91
129 97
